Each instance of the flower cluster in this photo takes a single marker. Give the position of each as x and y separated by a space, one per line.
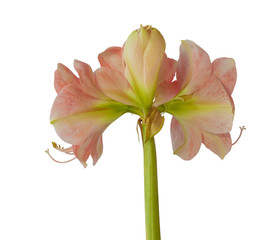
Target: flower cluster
139 78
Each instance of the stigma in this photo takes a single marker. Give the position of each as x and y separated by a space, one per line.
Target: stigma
241 130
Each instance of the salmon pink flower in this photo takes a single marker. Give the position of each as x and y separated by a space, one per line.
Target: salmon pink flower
126 82
199 98
203 109
81 112
139 78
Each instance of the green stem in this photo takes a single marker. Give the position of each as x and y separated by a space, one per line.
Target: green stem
151 188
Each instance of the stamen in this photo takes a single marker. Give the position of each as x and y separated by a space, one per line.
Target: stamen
68 150
241 128
47 151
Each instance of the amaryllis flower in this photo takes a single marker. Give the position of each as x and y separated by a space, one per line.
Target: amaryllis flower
203 109
139 78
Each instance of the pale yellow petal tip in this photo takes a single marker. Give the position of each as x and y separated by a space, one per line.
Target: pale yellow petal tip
176 152
84 164
233 62
77 62
53 121
59 66
230 62
185 42
185 159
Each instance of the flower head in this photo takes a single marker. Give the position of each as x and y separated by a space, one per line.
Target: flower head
141 79
203 109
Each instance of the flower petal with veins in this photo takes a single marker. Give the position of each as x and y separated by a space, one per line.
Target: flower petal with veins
167 69
87 82
225 70
93 146
166 88
210 108
63 77
77 115
219 144
112 58
165 92
186 139
114 85
194 67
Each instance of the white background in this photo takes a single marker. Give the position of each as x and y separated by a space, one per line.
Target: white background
204 198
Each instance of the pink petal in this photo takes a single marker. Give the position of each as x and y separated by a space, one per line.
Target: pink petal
225 70
165 92
167 88
219 144
112 58
167 69
210 108
63 77
77 115
114 85
194 67
92 146
217 105
186 139
86 79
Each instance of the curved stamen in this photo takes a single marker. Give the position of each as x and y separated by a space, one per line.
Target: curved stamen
241 128
68 150
47 151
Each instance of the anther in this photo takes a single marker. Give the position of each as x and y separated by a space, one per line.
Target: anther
241 128
68 150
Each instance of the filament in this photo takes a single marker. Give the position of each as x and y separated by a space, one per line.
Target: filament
47 151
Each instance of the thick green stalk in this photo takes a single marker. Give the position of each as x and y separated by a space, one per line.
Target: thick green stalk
151 188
